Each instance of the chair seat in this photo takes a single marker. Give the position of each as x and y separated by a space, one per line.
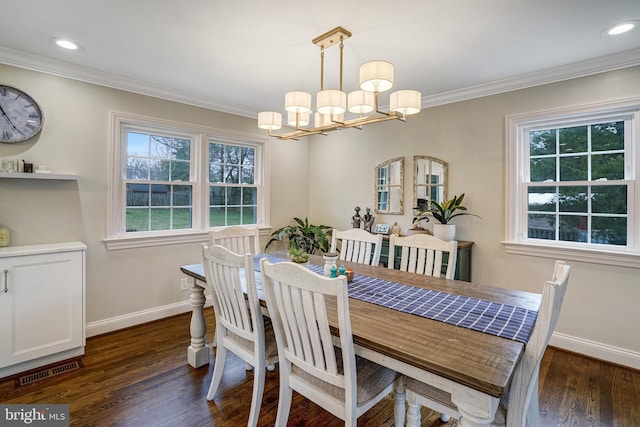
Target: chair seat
271 348
372 379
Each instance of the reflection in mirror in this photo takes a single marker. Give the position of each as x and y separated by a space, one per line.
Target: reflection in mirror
429 181
390 186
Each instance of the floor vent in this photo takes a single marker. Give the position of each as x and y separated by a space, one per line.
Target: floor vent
48 372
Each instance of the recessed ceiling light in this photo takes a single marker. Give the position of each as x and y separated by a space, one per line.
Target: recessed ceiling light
65 43
620 28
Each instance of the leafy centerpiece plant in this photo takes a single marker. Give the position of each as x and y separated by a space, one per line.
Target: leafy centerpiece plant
298 255
303 237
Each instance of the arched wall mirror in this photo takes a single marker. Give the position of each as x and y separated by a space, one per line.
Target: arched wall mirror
429 181
389 190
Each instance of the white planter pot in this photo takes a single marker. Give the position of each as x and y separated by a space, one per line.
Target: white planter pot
446 232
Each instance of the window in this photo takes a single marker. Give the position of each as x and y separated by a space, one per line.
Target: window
572 184
159 194
172 182
233 193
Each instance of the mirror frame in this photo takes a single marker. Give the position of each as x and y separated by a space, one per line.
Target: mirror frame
445 174
388 186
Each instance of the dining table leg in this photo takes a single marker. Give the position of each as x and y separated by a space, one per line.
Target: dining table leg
400 398
476 409
198 351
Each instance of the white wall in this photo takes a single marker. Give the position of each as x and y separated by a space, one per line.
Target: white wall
600 313
127 286
322 177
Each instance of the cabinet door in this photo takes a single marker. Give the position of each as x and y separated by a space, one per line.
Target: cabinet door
41 313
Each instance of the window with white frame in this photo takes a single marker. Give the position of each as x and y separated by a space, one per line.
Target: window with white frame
572 183
172 182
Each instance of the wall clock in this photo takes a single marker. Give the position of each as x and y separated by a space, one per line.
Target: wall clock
20 116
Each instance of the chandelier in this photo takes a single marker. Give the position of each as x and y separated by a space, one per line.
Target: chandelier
331 104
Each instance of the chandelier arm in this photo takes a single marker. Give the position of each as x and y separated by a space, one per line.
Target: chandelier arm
341 55
322 68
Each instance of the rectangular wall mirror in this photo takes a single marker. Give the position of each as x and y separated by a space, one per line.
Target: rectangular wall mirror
429 181
389 189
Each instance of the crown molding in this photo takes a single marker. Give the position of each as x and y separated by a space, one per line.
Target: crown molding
88 75
625 59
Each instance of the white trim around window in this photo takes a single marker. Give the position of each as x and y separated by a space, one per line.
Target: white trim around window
517 173
200 136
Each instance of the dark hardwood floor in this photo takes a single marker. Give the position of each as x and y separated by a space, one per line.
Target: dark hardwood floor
139 377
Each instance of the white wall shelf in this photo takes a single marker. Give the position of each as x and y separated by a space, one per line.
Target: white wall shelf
50 176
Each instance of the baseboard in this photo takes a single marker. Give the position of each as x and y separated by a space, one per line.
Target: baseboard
617 355
132 319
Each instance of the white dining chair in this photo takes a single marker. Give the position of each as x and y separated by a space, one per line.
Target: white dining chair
238 239
241 240
357 245
519 407
332 377
423 254
240 326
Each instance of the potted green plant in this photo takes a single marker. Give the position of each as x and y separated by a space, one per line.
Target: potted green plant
298 255
420 216
444 212
304 236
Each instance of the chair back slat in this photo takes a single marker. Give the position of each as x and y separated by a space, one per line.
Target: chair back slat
423 254
241 240
357 245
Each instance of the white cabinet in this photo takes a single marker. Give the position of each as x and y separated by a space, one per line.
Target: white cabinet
42 300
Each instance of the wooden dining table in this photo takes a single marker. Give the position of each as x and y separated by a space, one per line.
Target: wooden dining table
474 367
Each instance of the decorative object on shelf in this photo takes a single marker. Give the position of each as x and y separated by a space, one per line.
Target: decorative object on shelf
43 169
420 215
9 166
395 229
22 116
444 212
27 167
304 236
382 228
5 237
368 220
356 219
331 104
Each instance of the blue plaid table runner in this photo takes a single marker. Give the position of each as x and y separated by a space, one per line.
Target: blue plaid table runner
493 318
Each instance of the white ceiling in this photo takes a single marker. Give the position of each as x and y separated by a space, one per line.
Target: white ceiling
242 56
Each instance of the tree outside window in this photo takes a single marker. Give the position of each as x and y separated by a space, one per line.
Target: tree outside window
576 187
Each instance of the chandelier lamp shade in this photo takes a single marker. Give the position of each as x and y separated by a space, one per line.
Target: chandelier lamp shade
332 104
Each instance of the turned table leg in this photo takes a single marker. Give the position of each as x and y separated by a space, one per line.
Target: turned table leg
198 351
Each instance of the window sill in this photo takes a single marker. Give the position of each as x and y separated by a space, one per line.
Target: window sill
128 242
619 259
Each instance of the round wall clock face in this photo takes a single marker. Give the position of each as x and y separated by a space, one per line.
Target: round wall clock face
20 116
